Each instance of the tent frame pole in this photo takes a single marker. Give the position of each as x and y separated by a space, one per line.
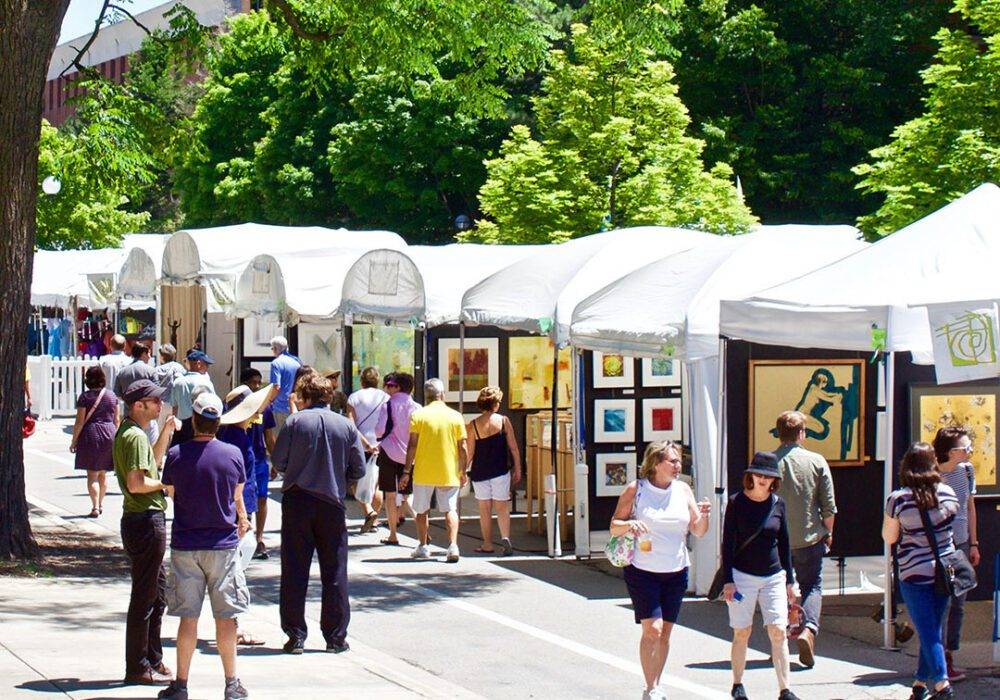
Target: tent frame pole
721 480
888 640
461 367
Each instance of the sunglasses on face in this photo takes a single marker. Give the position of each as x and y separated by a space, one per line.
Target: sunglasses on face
967 449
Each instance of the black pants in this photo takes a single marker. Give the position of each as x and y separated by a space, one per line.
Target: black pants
144 536
311 524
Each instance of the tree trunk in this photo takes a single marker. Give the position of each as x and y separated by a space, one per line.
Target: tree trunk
29 30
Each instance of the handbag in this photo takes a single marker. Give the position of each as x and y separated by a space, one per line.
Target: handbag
718 582
953 574
620 549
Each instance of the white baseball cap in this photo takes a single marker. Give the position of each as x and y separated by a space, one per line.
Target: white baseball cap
207 405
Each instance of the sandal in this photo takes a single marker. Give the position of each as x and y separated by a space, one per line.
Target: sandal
247 639
394 543
480 550
94 513
370 521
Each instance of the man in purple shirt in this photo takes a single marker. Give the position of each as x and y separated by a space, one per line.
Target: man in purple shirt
283 368
393 429
205 477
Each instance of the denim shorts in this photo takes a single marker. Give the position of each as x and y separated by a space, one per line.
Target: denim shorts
654 594
218 571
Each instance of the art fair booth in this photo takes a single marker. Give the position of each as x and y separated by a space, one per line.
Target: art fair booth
667 314
880 349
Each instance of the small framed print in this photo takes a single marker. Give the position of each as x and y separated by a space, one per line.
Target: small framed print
661 420
614 420
661 371
482 366
613 371
613 472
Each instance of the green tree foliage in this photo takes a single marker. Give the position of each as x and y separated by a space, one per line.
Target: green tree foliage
794 93
954 145
611 151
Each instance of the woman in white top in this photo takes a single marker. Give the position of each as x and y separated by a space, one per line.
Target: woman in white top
660 510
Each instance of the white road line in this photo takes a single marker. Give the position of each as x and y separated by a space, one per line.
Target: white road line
693 689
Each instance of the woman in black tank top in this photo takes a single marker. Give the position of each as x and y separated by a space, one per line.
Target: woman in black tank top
493 453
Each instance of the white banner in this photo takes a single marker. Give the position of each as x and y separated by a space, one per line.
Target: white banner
965 340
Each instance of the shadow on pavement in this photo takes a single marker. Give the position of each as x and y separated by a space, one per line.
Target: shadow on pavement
70 685
572 576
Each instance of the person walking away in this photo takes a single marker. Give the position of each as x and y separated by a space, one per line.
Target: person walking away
363 407
807 489
183 392
493 452
94 435
317 451
138 368
283 368
143 531
757 565
338 402
205 477
921 491
660 510
437 459
262 429
115 360
293 399
393 427
164 374
952 448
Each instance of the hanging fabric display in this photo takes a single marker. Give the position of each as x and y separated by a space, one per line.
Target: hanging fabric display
964 337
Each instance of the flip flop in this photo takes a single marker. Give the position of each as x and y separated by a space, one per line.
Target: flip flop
370 523
480 550
394 543
246 639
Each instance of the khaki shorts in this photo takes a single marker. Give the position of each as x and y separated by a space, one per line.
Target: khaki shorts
191 572
447 498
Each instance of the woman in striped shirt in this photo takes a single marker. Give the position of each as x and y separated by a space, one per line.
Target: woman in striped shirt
922 490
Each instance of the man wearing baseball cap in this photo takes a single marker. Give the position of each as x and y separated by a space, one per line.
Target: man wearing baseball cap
186 387
143 530
205 477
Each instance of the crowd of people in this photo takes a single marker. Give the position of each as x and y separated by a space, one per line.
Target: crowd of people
165 433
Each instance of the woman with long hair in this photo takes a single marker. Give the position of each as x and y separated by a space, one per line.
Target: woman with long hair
94 435
660 510
922 492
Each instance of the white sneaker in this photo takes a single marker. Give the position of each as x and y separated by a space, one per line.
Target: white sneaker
421 551
453 554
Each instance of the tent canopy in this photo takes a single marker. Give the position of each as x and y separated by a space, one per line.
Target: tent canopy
141 269
836 306
422 283
671 306
544 288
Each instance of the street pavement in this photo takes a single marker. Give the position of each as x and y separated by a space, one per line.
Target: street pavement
523 627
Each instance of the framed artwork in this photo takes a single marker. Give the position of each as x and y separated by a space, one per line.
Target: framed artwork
613 472
973 407
831 394
661 371
387 348
661 420
321 346
257 334
612 371
482 366
614 420
530 373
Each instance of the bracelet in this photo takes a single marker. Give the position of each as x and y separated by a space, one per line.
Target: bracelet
974 544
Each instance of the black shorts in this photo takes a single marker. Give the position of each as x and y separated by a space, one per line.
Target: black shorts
656 595
389 474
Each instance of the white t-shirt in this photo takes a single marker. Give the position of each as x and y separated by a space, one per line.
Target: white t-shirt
365 403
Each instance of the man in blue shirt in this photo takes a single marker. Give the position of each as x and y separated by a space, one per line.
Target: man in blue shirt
283 368
182 394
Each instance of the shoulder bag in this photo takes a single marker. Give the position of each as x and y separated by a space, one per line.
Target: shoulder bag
953 574
620 549
718 582
90 412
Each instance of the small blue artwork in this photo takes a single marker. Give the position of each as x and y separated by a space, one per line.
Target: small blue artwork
614 420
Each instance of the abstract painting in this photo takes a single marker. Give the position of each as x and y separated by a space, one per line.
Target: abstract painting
386 348
660 371
831 394
613 472
321 346
531 370
482 366
973 407
614 420
612 371
661 419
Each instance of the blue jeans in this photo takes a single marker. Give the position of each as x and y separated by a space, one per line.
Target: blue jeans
808 565
927 608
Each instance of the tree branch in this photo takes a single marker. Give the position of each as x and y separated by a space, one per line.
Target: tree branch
294 22
75 63
140 25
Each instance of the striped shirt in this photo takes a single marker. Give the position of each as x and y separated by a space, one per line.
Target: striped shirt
913 551
962 480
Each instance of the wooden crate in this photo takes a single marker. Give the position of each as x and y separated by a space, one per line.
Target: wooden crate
538 465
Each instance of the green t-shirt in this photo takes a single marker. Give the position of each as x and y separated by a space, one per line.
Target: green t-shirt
133 451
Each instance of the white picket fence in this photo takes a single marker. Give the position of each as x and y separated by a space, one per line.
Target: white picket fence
56 383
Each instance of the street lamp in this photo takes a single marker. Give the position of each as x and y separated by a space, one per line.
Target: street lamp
462 223
51 185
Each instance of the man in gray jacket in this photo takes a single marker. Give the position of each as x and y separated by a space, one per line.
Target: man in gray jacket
807 487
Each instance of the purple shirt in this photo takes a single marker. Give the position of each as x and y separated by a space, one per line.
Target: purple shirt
204 475
402 407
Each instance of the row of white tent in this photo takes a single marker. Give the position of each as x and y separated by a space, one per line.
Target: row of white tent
648 291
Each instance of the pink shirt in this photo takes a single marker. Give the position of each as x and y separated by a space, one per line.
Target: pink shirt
402 406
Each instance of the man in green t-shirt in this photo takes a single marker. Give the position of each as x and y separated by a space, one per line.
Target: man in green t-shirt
143 529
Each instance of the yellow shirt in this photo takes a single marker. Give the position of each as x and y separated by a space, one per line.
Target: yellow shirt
439 429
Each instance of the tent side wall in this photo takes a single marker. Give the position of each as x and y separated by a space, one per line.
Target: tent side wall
383 285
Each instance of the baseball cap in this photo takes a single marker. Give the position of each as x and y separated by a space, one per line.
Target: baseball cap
196 355
207 405
143 389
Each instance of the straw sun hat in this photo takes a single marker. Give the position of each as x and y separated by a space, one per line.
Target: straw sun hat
244 404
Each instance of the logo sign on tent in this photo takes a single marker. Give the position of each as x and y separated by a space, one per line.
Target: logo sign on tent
965 341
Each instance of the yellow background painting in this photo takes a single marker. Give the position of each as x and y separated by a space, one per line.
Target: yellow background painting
530 373
977 414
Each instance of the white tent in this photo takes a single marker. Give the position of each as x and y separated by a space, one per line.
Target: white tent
59 275
140 271
671 307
